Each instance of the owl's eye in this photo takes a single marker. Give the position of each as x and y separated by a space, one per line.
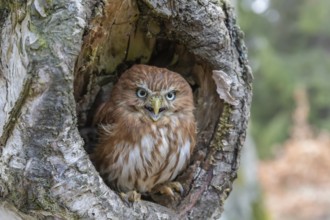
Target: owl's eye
170 96
141 93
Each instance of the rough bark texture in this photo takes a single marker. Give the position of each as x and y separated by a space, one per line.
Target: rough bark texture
52 77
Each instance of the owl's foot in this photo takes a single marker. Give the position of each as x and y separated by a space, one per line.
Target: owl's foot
167 188
131 196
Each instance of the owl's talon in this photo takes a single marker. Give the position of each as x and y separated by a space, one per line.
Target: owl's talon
131 196
177 187
167 188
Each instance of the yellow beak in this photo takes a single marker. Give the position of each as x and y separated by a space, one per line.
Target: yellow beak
156 103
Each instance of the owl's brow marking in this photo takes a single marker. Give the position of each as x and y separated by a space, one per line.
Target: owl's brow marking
171 89
143 86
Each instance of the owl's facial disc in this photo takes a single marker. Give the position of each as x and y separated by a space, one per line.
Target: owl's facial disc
154 107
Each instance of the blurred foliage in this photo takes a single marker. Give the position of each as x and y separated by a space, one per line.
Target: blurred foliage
289 47
259 210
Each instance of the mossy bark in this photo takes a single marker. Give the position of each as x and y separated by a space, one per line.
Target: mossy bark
58 57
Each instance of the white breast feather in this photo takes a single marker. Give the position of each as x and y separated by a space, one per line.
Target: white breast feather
135 163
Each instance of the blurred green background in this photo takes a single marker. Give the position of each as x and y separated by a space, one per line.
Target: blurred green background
289 47
282 175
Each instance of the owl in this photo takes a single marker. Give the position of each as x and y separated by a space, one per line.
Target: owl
147 131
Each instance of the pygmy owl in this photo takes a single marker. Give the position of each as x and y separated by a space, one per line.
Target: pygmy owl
147 130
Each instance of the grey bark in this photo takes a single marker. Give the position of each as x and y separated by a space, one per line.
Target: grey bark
50 73
246 193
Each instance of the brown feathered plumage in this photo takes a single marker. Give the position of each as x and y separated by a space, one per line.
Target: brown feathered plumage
147 129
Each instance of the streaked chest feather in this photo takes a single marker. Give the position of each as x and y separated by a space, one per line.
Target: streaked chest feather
158 157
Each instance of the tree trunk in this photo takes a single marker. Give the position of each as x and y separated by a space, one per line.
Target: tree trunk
59 57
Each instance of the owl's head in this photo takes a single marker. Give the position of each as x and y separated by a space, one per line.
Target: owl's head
153 93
